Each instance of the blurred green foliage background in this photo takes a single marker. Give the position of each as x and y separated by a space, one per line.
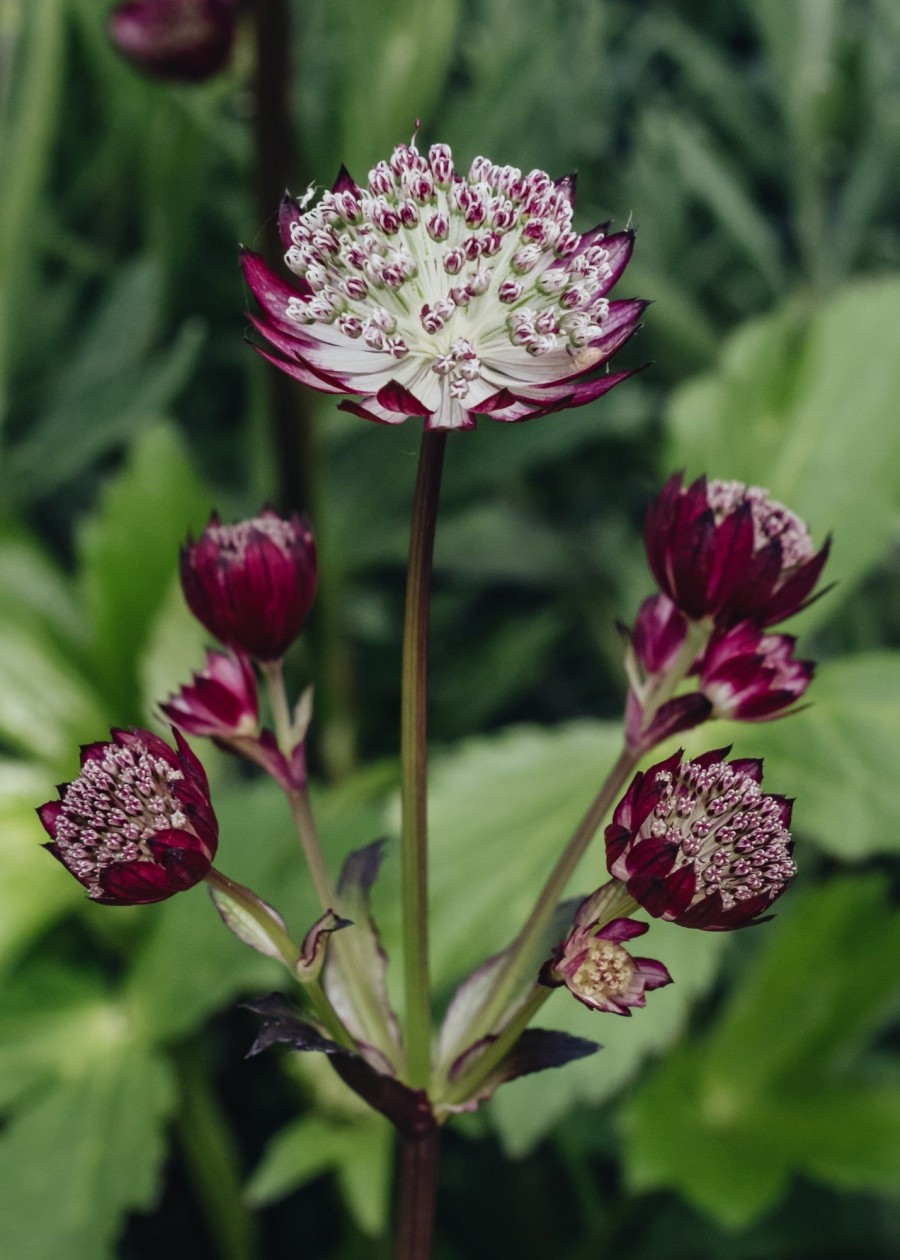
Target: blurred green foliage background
754 1108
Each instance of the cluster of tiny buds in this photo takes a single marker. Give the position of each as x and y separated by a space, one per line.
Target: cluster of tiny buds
722 822
115 805
359 247
770 519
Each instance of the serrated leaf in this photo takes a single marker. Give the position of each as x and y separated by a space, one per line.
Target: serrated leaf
784 411
90 1147
776 1089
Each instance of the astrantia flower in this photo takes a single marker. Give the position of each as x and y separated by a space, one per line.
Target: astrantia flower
252 584
725 551
600 972
175 39
431 293
221 701
136 825
699 843
752 676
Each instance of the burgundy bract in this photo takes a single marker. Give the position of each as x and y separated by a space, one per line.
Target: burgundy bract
593 963
252 584
136 825
752 676
175 39
726 551
432 293
221 701
699 842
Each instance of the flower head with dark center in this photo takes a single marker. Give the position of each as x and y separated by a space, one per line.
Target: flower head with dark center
699 842
726 551
432 293
252 584
136 825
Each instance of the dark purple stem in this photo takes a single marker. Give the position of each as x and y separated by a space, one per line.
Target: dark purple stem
419 1156
277 167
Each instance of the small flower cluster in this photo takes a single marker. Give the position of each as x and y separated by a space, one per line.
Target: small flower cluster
431 293
137 825
730 562
698 842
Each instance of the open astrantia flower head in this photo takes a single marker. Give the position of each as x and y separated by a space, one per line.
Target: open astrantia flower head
699 843
431 293
136 825
597 969
726 551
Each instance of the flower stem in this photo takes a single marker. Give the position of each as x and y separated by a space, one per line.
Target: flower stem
469 1082
343 944
417 1194
298 799
414 758
519 956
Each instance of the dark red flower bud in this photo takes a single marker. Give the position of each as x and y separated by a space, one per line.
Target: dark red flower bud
187 40
220 702
752 676
658 635
252 584
699 843
725 551
136 825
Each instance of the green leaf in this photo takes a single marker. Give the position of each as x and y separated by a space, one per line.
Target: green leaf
174 651
360 1154
86 1153
129 550
46 707
785 410
35 889
838 757
113 384
779 1086
390 60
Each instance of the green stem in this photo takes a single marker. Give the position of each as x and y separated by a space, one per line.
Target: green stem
481 1069
520 954
663 686
298 798
414 757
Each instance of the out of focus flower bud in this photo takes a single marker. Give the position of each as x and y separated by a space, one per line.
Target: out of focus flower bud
221 702
187 40
752 676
